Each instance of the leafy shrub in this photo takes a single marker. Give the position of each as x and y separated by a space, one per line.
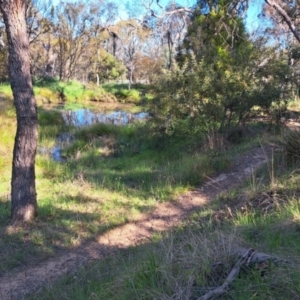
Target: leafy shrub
212 98
45 95
220 77
129 96
133 96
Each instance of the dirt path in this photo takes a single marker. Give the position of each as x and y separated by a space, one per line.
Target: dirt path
16 284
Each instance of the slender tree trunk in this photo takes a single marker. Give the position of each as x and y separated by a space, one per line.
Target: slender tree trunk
23 192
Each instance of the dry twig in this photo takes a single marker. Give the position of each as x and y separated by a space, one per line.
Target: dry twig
243 261
247 257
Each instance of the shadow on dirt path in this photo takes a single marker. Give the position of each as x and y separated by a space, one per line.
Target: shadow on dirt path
16 284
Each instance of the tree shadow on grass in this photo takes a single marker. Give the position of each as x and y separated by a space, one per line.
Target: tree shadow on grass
110 240
205 225
183 260
68 222
54 231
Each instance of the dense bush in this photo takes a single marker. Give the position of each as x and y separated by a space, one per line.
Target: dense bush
210 100
222 78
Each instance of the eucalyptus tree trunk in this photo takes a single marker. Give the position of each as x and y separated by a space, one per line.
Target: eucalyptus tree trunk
23 191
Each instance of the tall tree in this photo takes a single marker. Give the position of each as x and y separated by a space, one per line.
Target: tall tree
172 26
76 27
284 19
289 12
131 36
23 191
220 76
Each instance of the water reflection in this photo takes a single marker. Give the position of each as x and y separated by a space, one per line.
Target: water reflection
63 140
87 117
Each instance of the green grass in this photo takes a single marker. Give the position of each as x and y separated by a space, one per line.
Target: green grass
51 91
112 175
138 94
5 90
7 129
187 262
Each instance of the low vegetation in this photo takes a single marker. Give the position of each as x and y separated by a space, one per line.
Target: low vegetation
113 173
212 86
52 91
186 263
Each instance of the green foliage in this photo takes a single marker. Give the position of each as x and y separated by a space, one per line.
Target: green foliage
73 90
219 83
49 118
96 130
129 96
136 95
107 67
7 131
5 89
50 90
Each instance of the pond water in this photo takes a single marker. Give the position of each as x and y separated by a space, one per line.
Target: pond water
63 140
82 117
86 117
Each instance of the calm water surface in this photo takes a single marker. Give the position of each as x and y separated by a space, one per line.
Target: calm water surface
82 117
86 117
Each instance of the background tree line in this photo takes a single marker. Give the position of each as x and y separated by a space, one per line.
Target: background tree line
89 41
86 41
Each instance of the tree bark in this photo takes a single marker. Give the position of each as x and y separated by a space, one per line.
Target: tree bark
285 17
23 191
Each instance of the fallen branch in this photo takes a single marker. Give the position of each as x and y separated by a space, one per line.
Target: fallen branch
248 257
243 261
260 257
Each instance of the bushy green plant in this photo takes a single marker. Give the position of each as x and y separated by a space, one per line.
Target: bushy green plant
219 84
51 90
130 96
106 67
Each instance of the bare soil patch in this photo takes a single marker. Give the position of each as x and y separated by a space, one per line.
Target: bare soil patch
17 283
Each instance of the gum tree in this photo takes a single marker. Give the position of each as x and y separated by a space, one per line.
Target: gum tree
23 191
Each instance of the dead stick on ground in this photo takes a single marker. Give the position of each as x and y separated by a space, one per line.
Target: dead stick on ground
259 257
243 261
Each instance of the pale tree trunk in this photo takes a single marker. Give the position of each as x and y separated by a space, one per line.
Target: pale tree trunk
285 17
23 191
98 79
